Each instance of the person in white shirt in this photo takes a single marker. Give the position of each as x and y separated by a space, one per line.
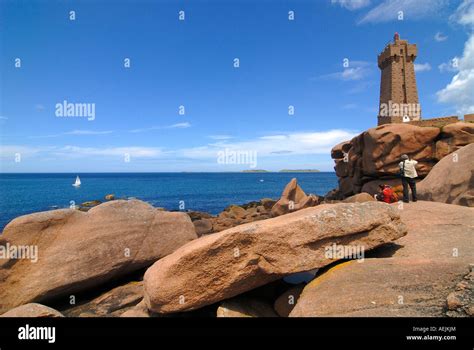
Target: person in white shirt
408 174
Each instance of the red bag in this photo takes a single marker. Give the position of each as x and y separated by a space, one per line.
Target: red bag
388 195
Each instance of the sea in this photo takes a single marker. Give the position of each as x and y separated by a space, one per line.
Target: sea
22 194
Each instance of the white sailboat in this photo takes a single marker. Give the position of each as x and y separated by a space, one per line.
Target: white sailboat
78 182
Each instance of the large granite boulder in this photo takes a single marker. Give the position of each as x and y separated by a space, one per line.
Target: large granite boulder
78 250
203 226
382 148
359 198
228 263
32 310
285 303
112 303
245 307
453 137
231 216
374 154
451 180
381 288
340 149
293 198
411 278
139 310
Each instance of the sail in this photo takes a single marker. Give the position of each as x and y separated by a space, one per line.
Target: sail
78 181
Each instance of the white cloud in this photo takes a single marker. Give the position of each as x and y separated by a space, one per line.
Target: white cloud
88 132
10 150
78 152
350 106
362 86
422 67
293 143
179 126
273 137
352 73
145 129
221 137
281 144
451 66
464 14
352 4
182 125
459 92
357 70
133 151
75 133
439 37
389 10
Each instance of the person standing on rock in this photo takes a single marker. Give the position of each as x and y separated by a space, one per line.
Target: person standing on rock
408 174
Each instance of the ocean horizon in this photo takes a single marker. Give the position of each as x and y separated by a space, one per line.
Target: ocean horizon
211 192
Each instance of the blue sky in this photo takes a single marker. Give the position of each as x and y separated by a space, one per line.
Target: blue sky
138 125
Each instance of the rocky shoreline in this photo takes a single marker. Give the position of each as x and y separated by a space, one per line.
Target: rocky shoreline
240 272
125 258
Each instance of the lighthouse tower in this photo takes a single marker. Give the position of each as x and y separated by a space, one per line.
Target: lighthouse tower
398 91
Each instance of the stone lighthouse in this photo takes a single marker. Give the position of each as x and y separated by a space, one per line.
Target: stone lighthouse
398 92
